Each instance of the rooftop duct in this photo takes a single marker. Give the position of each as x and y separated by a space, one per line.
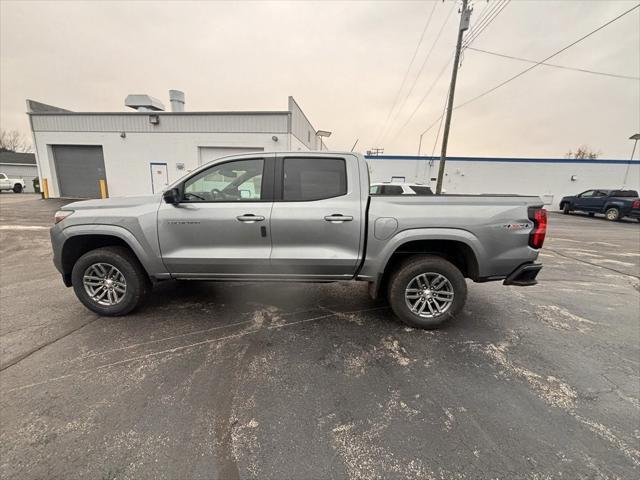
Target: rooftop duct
176 97
143 103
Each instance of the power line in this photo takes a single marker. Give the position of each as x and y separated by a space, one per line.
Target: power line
615 75
489 14
424 63
537 64
486 13
424 97
481 26
531 68
406 74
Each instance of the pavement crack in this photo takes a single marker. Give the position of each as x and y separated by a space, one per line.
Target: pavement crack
30 352
592 264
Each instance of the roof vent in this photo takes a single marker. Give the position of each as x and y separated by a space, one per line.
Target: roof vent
143 103
176 97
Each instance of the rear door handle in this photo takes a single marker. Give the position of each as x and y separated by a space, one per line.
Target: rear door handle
250 218
338 218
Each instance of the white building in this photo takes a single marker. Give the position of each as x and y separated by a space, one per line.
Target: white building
550 178
87 154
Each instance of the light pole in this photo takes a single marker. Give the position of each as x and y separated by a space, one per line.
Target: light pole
465 15
635 139
322 133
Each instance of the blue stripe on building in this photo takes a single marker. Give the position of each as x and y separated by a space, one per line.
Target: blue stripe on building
505 159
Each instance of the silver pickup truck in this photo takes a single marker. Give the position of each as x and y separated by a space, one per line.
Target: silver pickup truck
297 216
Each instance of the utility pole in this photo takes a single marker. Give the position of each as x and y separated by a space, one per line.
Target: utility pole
465 15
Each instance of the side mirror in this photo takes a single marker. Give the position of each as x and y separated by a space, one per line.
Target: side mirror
172 196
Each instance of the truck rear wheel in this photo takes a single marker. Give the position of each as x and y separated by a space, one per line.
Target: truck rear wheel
110 281
612 214
17 188
426 291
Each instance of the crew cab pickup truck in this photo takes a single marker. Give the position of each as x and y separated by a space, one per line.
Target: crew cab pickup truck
304 217
614 204
15 184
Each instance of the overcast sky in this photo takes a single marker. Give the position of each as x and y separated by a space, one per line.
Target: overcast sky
343 62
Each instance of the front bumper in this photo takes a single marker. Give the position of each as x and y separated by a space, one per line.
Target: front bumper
524 276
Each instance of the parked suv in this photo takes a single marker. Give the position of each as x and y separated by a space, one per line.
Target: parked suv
614 204
304 217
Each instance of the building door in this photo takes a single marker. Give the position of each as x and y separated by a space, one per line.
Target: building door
159 177
79 169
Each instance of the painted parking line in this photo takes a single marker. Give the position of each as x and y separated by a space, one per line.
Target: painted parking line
23 227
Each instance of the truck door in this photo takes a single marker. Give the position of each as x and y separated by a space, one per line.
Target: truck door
220 229
316 217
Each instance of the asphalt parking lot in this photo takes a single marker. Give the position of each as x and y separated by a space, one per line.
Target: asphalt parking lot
292 381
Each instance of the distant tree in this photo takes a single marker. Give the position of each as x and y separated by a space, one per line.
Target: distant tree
583 152
14 141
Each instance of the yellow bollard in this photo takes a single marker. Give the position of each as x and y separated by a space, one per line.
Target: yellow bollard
104 193
45 188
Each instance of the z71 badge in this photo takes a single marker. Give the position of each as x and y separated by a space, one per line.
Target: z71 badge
517 226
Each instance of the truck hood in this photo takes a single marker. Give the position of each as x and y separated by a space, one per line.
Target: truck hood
117 202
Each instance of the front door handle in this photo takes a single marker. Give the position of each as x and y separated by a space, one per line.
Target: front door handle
250 218
338 218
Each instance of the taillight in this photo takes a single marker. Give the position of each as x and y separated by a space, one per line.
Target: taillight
635 204
539 218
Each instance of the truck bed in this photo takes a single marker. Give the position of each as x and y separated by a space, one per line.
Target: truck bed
495 227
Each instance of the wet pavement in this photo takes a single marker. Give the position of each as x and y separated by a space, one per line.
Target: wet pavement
233 380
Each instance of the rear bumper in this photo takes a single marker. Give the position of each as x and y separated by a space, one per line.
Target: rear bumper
524 276
635 213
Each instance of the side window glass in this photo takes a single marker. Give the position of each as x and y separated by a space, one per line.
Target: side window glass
3 176
587 194
237 181
306 179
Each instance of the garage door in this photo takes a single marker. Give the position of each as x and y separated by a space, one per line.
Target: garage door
79 169
212 153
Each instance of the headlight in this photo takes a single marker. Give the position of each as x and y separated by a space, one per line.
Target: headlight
61 215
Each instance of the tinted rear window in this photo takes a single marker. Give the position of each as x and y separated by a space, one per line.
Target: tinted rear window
313 178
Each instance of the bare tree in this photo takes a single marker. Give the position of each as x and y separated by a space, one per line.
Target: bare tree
583 152
14 141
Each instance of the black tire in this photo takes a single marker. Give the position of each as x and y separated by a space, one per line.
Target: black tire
591 214
566 208
137 281
612 214
407 272
17 188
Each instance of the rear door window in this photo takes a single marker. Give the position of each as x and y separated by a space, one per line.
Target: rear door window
307 179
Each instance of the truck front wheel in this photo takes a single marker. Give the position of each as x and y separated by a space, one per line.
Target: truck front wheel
109 281
426 291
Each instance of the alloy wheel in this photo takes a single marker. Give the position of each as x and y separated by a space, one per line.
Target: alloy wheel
104 283
429 295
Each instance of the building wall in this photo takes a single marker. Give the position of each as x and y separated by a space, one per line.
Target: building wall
127 160
26 172
548 178
301 127
169 122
